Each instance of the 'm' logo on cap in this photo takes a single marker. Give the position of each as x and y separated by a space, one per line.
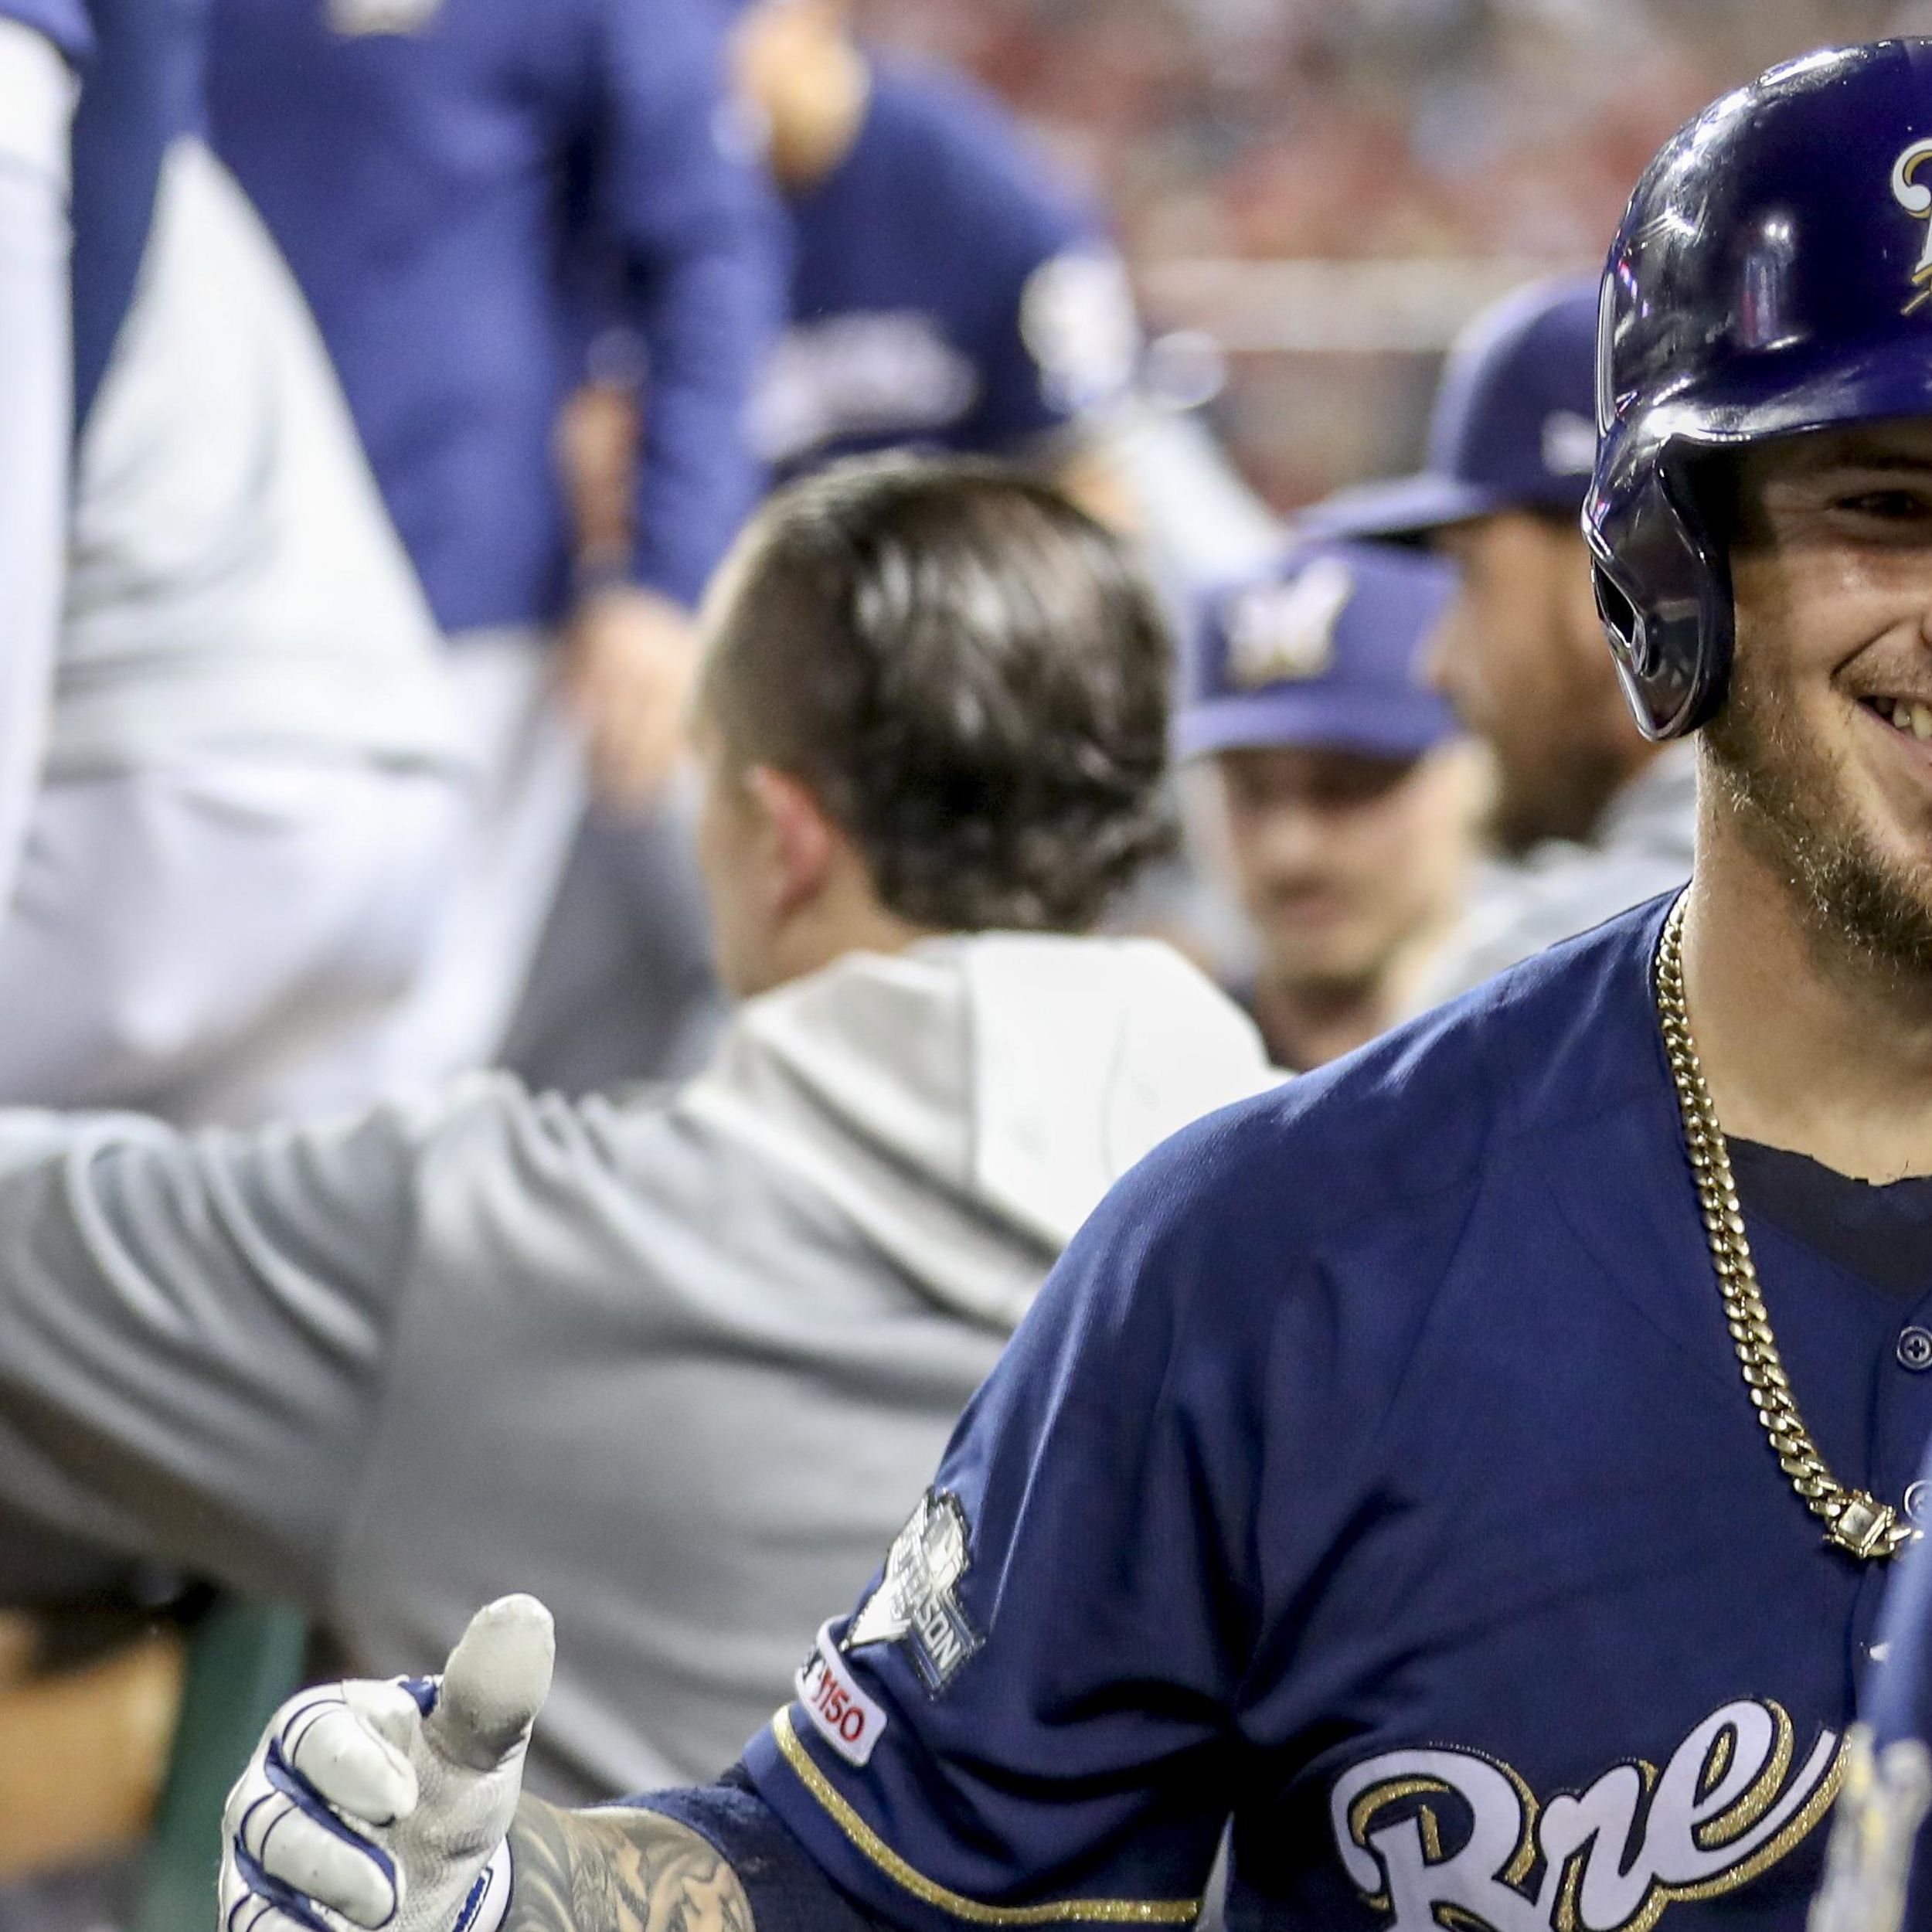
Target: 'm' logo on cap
1281 632
1569 444
1915 198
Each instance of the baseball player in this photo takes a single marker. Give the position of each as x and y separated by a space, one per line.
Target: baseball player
432 172
244 706
1347 799
738 1323
1474 1470
947 289
1593 817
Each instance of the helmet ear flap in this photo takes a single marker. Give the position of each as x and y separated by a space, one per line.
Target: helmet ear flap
1663 591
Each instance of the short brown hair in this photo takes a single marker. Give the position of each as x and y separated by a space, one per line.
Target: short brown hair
972 676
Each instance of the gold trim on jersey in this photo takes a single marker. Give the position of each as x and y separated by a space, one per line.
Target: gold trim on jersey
874 1848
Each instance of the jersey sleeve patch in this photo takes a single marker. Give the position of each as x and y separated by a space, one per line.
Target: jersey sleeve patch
917 1602
841 1713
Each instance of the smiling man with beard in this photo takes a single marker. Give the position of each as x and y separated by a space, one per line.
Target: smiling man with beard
1475 1469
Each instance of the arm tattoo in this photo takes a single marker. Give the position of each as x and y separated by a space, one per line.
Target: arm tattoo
618 1871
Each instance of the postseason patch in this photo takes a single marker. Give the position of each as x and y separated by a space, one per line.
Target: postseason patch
917 1602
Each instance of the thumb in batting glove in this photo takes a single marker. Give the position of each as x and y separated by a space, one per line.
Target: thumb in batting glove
387 1805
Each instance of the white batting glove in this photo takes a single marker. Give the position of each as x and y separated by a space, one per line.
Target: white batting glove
388 1804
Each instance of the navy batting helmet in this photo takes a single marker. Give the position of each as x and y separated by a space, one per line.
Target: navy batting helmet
1773 274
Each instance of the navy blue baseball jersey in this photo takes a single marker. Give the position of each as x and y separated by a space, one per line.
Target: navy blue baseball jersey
411 157
63 21
1376 1471
947 291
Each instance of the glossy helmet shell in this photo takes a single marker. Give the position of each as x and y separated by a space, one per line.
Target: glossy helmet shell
1773 274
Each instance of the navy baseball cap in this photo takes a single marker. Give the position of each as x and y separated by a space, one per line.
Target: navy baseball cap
1514 426
1324 651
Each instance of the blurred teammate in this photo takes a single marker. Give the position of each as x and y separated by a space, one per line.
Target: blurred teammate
1475 1467
947 289
948 292
244 708
227 776
431 171
43 43
685 1365
1595 818
1349 800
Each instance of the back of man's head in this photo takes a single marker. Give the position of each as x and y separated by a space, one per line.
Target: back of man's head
968 673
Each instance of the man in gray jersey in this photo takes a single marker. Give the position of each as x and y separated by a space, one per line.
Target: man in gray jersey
682 1366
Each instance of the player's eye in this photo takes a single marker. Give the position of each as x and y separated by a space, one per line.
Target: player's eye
1895 504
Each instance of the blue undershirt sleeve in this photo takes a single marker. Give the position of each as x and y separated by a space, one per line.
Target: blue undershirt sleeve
703 247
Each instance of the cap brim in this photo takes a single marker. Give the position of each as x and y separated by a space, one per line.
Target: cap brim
1410 506
1390 726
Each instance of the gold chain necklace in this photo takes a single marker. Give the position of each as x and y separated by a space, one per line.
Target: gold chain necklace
1854 1520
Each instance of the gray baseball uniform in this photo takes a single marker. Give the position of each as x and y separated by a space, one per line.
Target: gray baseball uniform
681 1367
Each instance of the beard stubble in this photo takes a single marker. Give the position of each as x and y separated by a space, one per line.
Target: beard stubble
1790 799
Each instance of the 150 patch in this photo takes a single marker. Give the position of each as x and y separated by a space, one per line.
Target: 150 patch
841 1713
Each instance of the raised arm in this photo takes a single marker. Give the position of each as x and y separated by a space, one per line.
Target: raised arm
704 244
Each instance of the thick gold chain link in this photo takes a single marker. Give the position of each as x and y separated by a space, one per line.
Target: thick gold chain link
1854 1520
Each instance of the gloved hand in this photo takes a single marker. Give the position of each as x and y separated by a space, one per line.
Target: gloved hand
388 1804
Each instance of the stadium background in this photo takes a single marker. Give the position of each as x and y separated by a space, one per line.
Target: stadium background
1325 189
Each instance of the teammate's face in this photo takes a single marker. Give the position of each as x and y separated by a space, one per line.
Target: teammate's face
1344 863
1824 747
1520 655
780 52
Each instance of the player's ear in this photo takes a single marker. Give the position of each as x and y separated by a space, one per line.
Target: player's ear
800 838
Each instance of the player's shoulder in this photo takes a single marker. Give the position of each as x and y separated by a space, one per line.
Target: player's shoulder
1424 1112
965 143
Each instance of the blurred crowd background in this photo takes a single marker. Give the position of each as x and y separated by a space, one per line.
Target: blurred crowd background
1322 192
